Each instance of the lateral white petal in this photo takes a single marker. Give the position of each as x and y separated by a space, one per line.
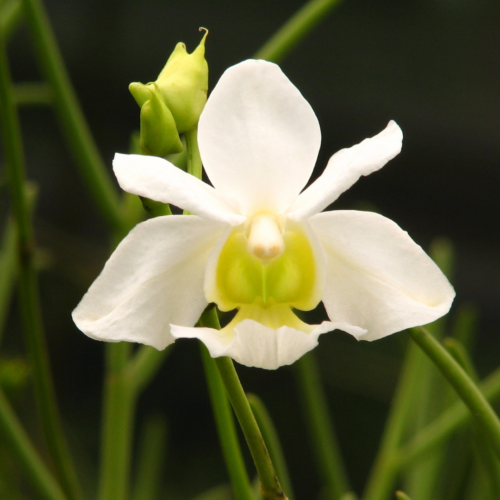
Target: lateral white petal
378 278
159 180
154 278
345 168
256 345
259 138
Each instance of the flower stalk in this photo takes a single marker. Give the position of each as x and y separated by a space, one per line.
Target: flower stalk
28 286
463 385
118 421
73 124
270 486
295 30
16 438
233 457
319 424
271 438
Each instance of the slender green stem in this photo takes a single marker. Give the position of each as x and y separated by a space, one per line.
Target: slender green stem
444 425
144 366
11 14
465 388
28 287
8 270
272 440
270 486
118 418
461 356
424 478
16 438
151 458
242 488
194 166
295 29
228 378
319 425
386 464
402 496
33 94
485 456
73 123
349 496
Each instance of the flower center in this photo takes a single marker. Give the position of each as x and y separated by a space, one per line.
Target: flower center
265 240
265 265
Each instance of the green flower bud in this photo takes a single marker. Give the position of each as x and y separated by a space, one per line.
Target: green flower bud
140 92
183 83
159 135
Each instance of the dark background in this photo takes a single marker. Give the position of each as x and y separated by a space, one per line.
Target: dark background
431 65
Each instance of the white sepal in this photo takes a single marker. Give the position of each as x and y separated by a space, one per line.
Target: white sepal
154 278
378 278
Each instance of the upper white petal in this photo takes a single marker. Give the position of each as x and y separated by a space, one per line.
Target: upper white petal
256 345
259 138
154 278
345 168
378 278
159 180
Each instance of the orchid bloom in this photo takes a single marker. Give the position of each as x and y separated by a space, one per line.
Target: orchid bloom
257 242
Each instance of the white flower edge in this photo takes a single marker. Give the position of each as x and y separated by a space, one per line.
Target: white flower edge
378 278
154 278
345 168
259 138
258 346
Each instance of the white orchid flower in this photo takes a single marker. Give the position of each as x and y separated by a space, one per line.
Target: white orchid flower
258 244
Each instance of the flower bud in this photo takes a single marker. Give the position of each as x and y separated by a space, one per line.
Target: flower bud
140 92
183 83
159 135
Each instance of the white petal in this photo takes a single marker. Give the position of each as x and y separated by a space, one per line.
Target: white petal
345 168
154 278
259 138
378 278
159 180
256 345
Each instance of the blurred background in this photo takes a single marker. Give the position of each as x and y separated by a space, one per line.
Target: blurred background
431 65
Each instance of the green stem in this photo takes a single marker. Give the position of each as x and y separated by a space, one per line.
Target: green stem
443 426
28 287
386 464
270 486
194 166
485 456
242 488
144 366
295 29
11 14
8 270
14 435
400 495
33 94
465 388
118 417
73 124
150 461
320 427
273 443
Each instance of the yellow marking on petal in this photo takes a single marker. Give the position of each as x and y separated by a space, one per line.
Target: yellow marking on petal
242 278
274 316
